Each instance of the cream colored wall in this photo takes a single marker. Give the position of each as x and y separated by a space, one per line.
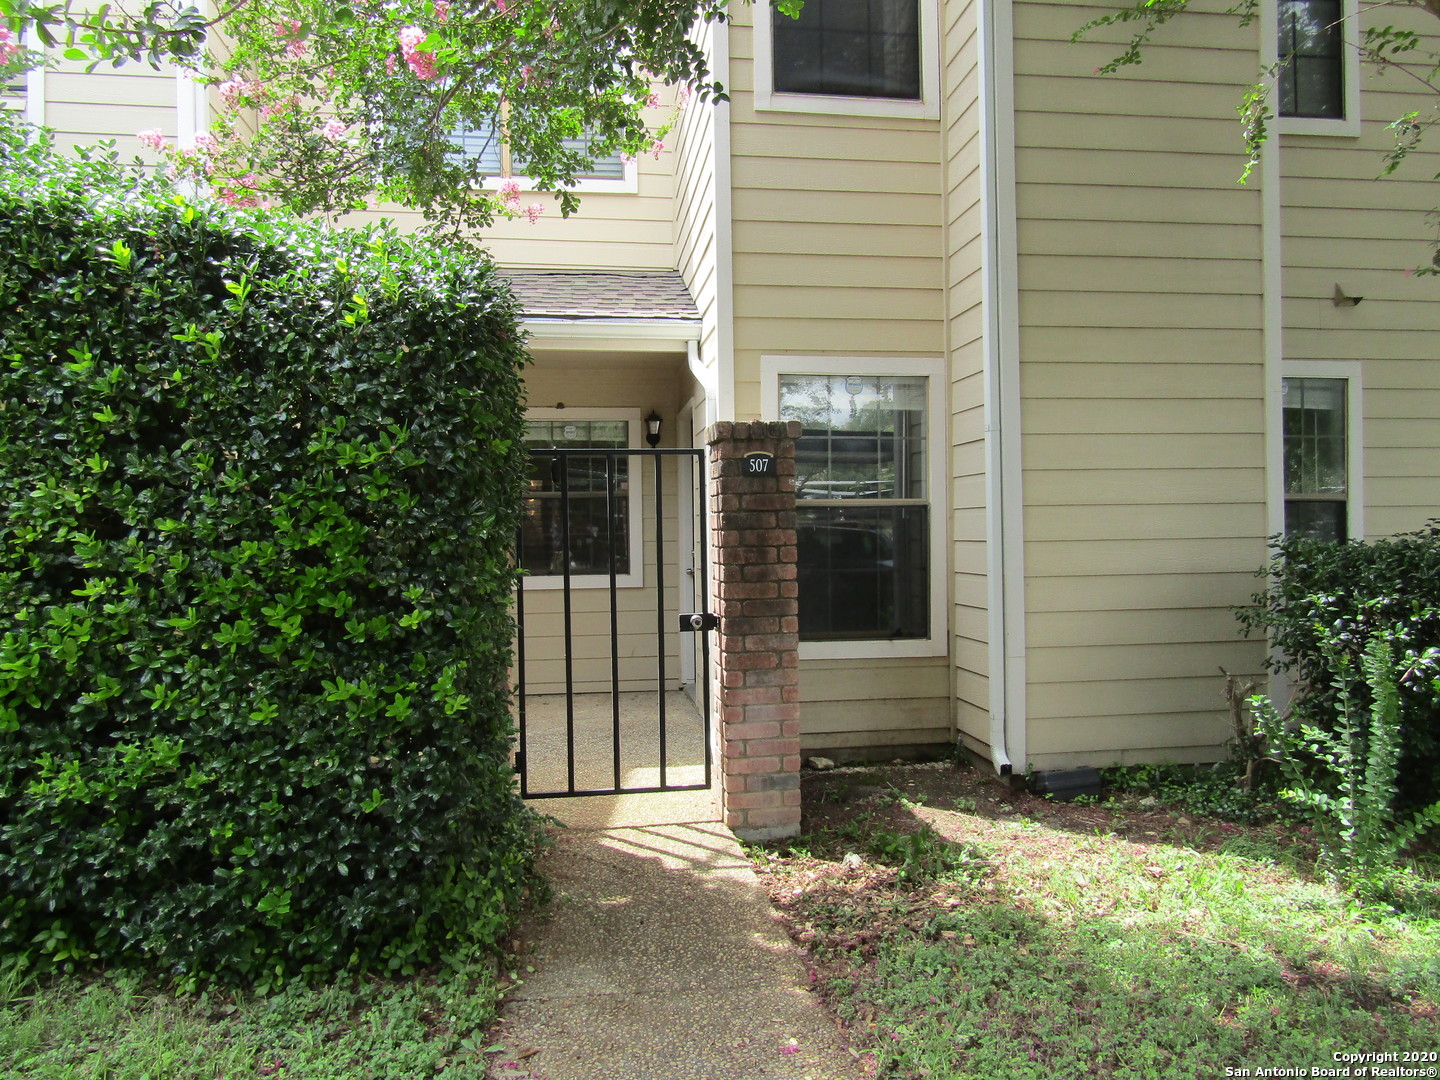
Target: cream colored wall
1142 385
610 231
582 381
1343 226
108 103
964 241
838 248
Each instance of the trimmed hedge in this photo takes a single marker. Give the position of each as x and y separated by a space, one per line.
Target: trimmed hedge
261 481
1329 600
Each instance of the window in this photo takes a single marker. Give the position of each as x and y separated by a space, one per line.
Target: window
598 493
497 161
859 57
1312 61
861 48
1316 445
1318 75
863 513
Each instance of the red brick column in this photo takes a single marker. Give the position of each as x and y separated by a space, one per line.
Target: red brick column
756 651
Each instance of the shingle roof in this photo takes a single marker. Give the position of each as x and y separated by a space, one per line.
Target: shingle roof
602 294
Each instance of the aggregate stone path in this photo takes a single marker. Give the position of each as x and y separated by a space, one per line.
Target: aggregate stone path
659 958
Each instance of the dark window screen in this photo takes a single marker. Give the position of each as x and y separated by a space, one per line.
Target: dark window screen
855 48
1312 63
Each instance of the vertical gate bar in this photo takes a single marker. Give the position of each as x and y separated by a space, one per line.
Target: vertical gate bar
524 760
660 610
610 470
564 462
700 464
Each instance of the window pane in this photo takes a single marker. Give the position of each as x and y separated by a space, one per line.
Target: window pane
544 531
1316 519
482 144
863 572
864 436
858 48
1311 51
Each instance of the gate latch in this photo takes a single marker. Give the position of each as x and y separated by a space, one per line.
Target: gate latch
700 620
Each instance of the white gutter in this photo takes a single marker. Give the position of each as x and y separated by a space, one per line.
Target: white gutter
1004 504
1272 286
724 236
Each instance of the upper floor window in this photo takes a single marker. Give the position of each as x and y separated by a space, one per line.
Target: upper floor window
1312 59
849 57
857 48
610 172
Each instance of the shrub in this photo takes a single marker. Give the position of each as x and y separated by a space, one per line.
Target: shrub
1364 836
1326 602
260 483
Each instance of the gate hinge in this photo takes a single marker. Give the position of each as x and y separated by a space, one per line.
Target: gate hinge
699 620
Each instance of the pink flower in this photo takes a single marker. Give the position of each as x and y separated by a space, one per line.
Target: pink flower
442 10
206 143
502 6
655 148
684 95
333 130
653 101
291 30
9 48
421 64
151 138
390 63
533 212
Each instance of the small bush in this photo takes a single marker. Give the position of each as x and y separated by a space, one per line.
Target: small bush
260 483
1326 602
1364 837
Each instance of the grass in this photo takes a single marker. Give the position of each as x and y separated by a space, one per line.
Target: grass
1049 947
119 1028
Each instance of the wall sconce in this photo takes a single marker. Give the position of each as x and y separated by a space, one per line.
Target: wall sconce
652 428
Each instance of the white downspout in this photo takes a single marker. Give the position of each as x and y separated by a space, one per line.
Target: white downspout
1004 505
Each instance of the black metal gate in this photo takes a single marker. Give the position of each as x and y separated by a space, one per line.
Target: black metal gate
577 541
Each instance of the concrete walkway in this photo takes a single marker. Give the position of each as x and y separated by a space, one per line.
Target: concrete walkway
659 959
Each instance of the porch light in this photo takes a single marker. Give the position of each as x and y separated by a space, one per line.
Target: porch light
652 428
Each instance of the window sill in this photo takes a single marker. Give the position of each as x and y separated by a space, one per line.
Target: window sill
845 105
1313 125
878 649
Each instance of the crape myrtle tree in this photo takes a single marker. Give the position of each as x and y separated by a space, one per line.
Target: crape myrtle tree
1411 57
327 106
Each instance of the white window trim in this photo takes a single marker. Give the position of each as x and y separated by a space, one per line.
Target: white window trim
1349 127
35 82
629 184
933 370
1350 371
928 107
635 579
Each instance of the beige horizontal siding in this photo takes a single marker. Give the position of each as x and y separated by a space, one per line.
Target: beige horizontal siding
1141 377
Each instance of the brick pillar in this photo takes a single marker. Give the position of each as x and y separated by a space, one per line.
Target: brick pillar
756 651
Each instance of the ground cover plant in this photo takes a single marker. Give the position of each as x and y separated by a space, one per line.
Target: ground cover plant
123 1028
259 485
1133 937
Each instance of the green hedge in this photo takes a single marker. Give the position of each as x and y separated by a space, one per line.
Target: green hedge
260 484
1327 600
